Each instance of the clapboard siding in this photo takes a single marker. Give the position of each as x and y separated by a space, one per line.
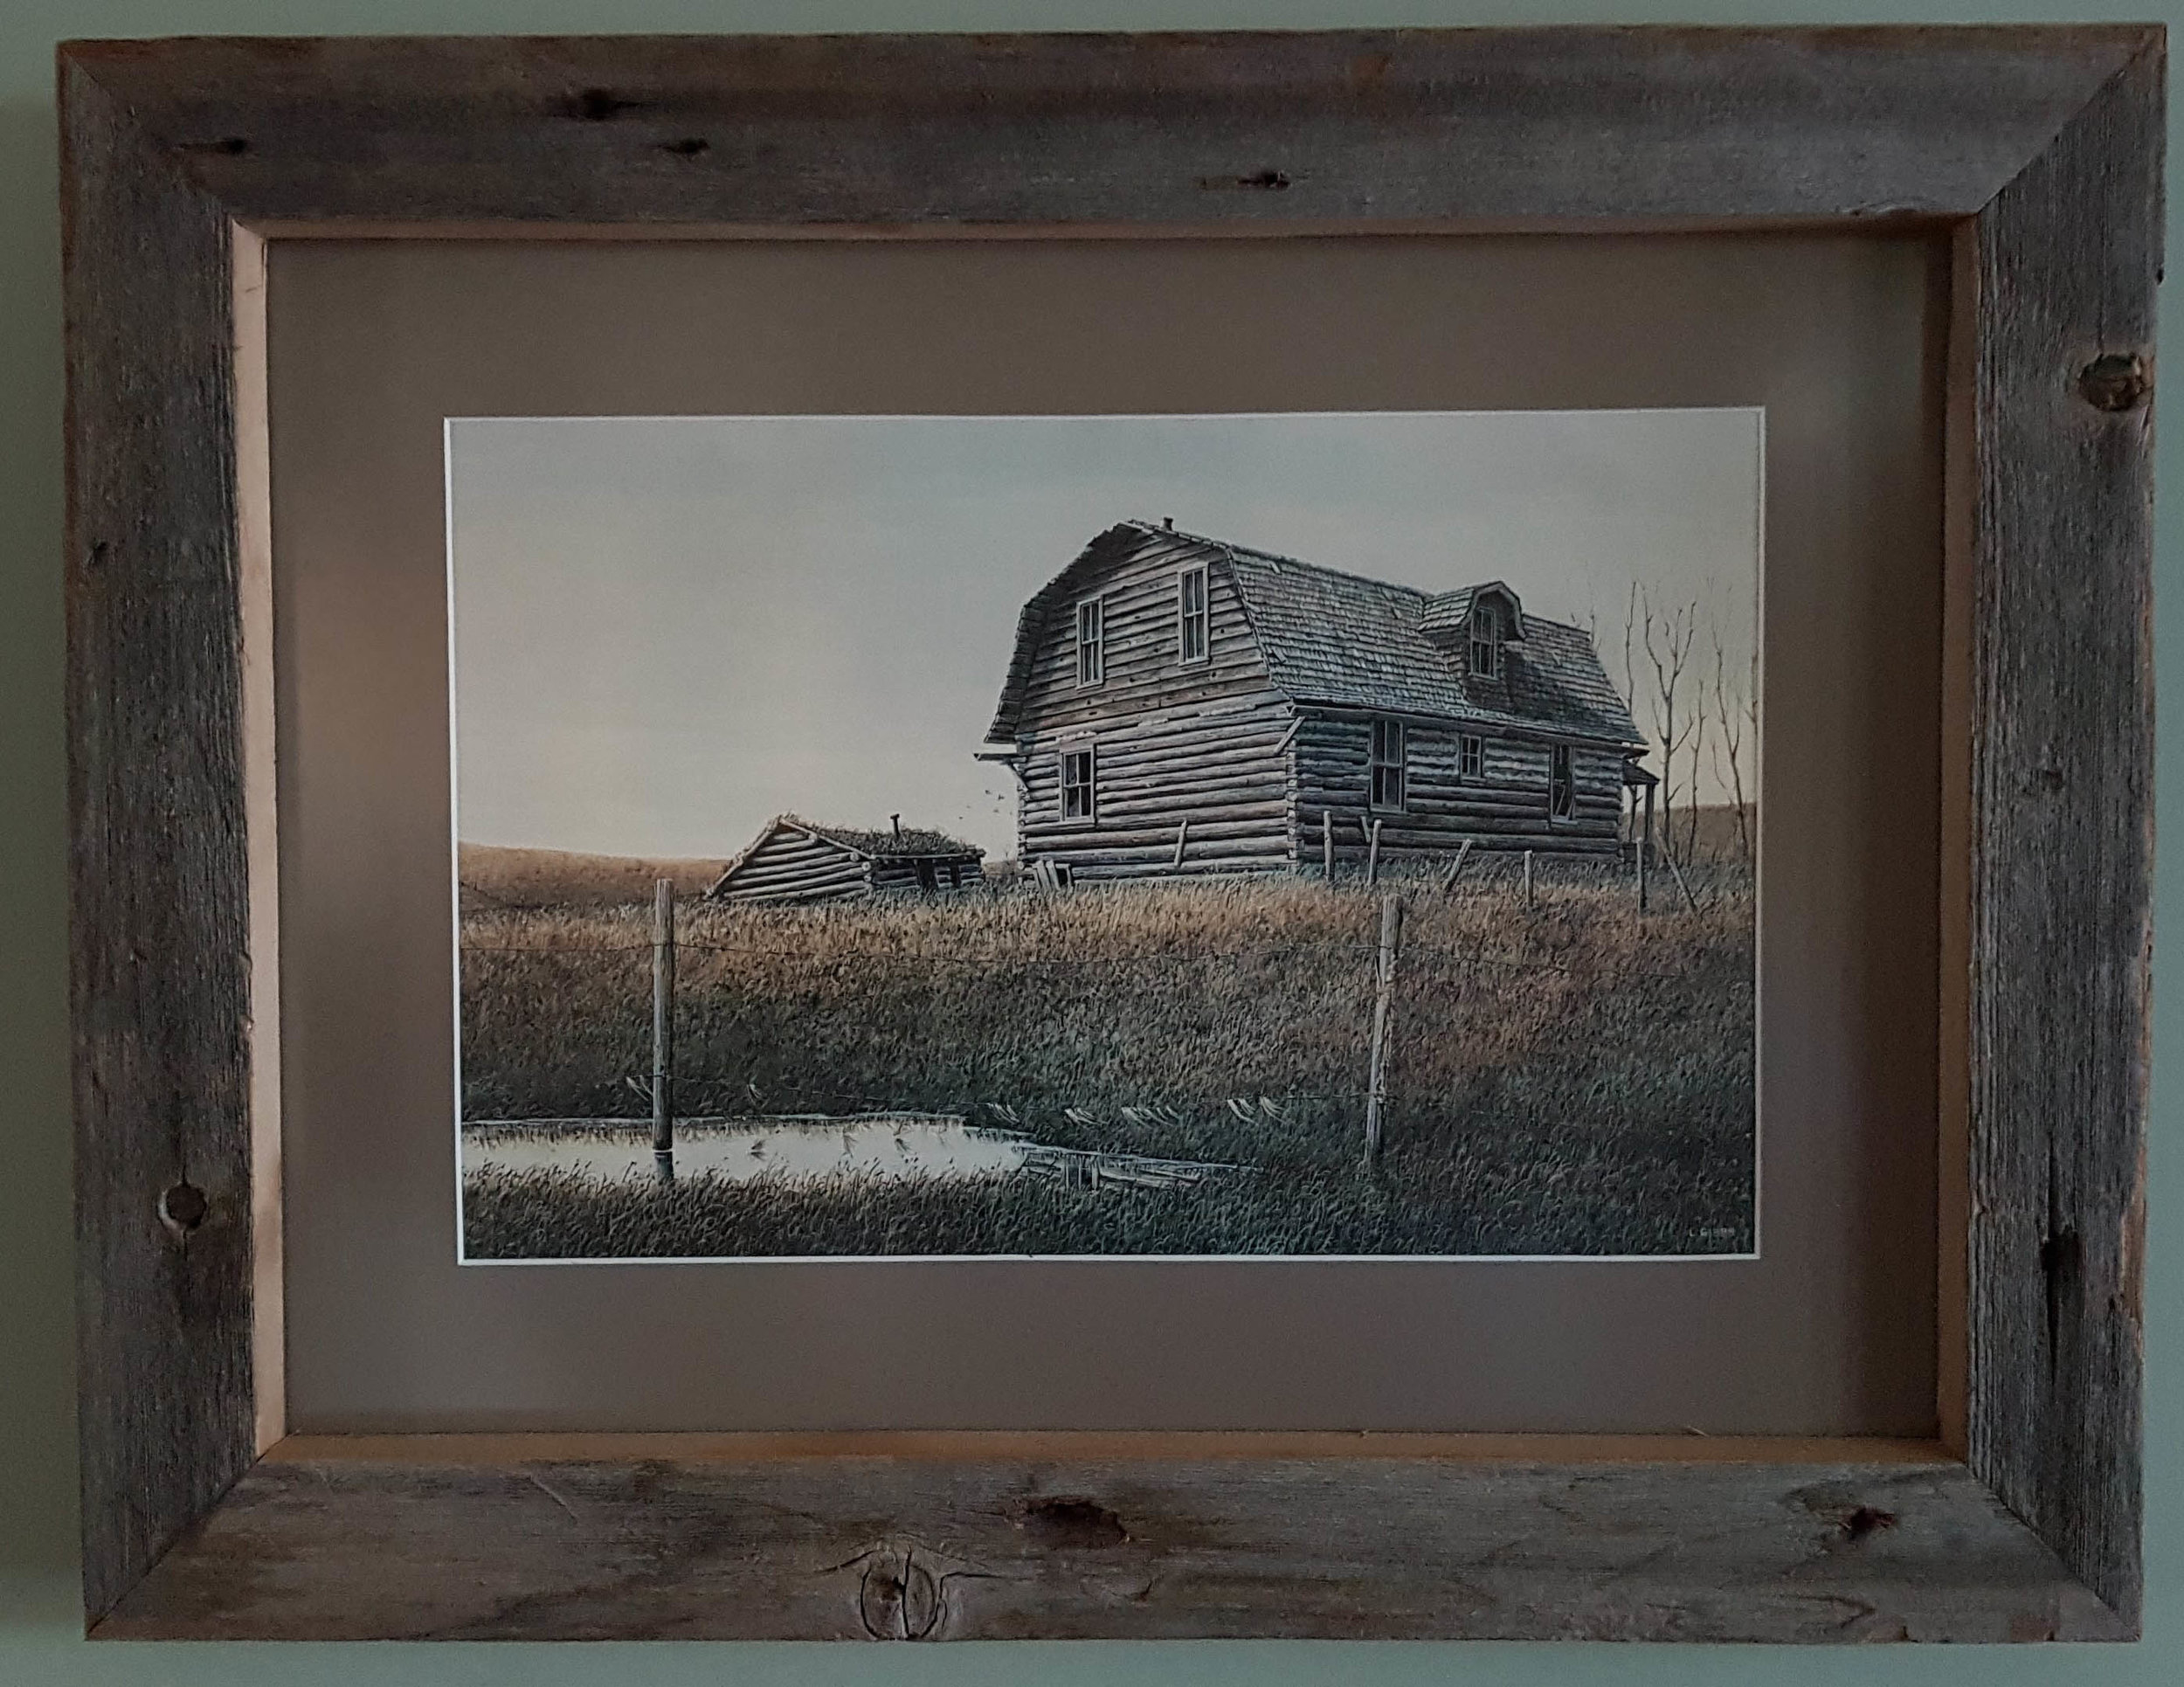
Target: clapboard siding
1144 671
1505 806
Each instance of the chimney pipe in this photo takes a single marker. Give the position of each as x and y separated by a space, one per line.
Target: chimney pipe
896 820
1168 521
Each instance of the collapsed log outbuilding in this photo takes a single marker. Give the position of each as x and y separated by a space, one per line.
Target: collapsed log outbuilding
797 860
1177 703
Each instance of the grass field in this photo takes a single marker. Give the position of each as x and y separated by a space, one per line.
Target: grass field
1564 1079
493 876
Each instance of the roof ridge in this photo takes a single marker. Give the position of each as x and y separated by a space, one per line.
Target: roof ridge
1162 529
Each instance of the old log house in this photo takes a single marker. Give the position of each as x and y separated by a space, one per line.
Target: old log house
1177 703
797 860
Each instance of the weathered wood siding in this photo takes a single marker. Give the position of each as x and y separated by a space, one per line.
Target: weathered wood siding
1506 806
794 866
899 874
1175 743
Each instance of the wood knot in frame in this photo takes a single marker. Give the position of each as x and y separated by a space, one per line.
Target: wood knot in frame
1264 181
900 1597
1866 1520
2117 382
182 1207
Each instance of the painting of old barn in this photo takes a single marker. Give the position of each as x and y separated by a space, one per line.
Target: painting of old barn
1322 886
793 860
1181 704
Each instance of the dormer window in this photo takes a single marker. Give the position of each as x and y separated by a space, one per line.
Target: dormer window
1486 641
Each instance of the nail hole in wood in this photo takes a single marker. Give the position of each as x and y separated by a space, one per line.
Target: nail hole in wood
228 144
1073 1521
2059 1253
1265 181
182 1207
2116 381
689 147
598 105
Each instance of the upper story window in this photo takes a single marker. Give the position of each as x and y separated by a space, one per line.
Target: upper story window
1191 616
1387 763
1471 757
1486 641
1079 795
1091 641
1562 789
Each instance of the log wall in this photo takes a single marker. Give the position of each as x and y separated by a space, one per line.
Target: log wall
793 867
1199 749
1505 806
894 873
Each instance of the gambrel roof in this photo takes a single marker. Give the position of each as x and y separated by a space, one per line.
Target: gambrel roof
1340 640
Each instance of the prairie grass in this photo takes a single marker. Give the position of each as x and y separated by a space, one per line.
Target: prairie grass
1564 1078
494 876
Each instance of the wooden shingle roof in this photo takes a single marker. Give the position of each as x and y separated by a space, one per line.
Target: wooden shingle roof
1342 639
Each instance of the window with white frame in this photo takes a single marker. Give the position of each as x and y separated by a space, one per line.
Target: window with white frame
1471 757
1486 641
1387 763
1079 795
1091 641
1191 616
1562 790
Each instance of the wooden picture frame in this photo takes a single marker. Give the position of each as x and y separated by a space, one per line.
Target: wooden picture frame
2038 148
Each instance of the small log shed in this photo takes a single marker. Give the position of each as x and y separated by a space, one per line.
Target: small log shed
793 860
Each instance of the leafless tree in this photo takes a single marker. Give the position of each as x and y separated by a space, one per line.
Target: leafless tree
1630 695
1694 757
1737 719
1669 637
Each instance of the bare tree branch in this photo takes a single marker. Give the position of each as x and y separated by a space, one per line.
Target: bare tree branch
1736 712
1667 637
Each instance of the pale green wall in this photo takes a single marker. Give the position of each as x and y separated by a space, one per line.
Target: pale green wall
39 1609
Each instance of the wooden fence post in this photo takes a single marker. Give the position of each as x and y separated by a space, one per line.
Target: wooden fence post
1645 850
1327 842
664 1029
1384 989
1528 878
1680 885
1464 853
1182 835
1372 854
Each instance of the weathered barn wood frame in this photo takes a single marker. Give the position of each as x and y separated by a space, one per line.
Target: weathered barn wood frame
2040 148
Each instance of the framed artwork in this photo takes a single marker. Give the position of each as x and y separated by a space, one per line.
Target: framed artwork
1312 821
934 744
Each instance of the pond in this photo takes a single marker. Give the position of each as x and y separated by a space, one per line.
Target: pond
871 1144
805 1147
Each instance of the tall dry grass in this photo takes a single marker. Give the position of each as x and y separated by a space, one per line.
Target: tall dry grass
1564 1077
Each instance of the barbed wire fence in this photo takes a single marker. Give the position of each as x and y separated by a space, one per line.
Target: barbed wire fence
1382 961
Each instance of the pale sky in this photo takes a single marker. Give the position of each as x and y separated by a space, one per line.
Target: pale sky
669 629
